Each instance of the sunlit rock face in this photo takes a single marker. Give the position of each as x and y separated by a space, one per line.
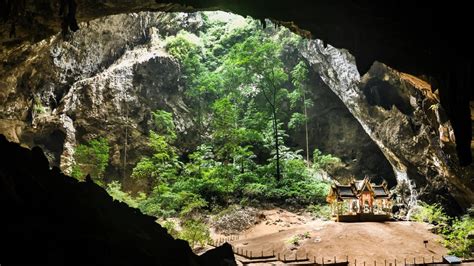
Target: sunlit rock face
106 78
404 118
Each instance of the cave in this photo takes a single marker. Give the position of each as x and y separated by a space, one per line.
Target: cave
389 100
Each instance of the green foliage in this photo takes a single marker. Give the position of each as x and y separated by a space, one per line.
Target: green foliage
165 201
91 158
306 235
170 227
181 45
459 238
164 124
115 190
458 232
432 214
245 96
324 161
434 107
296 120
322 211
195 232
38 107
295 240
163 165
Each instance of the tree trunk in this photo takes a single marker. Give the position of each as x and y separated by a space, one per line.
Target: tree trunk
306 128
277 146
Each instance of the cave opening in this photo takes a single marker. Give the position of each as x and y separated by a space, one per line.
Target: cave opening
170 114
52 145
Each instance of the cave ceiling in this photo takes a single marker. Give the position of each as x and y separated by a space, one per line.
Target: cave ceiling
425 38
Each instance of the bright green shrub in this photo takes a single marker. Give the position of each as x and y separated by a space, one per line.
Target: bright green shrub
322 211
432 214
170 227
195 232
324 161
91 158
256 190
115 190
459 238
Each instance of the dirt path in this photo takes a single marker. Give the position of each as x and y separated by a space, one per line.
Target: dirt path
367 241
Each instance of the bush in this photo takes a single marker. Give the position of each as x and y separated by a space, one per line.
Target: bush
325 161
170 227
295 240
256 190
91 158
195 232
322 211
459 238
165 202
433 214
115 190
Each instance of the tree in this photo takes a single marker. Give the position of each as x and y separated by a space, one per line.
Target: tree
299 80
257 65
324 161
201 84
91 158
224 128
164 163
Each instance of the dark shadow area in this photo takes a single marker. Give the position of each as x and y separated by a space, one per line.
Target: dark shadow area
380 93
53 143
50 218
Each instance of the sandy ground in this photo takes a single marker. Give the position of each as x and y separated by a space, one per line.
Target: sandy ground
368 241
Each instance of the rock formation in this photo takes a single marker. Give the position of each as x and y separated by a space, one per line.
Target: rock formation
107 86
424 42
107 77
50 218
404 118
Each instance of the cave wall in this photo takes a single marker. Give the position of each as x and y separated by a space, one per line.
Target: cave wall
106 80
107 77
413 37
409 125
333 129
